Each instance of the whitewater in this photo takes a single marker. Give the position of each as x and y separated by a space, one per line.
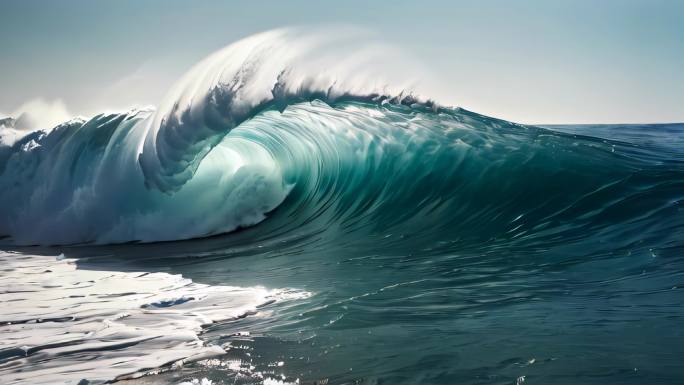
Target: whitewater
292 213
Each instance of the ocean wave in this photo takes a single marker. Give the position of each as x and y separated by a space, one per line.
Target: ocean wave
278 126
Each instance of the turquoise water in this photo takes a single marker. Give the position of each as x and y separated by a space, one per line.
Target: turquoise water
442 248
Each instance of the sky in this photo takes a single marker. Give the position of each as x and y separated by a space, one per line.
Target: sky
527 61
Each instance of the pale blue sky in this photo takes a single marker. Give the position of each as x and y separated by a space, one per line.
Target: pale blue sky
527 61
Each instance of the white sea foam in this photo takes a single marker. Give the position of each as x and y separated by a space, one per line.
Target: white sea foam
62 324
35 114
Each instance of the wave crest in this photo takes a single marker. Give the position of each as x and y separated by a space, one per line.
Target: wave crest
270 70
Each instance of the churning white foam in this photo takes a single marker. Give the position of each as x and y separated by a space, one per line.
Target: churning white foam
62 324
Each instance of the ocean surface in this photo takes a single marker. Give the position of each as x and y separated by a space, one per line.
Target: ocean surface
263 226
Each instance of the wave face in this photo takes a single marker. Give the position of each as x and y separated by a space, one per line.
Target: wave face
355 165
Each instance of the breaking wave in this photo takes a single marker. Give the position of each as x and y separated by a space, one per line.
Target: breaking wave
296 129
